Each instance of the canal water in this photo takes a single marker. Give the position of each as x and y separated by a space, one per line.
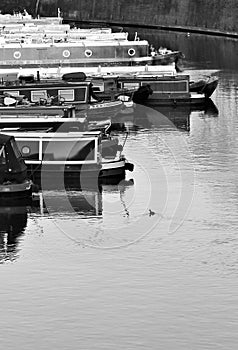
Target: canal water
147 264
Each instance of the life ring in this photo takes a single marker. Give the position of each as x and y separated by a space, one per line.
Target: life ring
25 150
131 52
66 53
88 53
17 55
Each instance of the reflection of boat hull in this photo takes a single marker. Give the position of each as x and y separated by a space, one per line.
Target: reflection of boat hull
157 116
86 203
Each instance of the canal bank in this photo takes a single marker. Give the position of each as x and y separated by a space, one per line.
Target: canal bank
216 17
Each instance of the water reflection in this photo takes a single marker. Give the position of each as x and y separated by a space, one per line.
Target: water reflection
83 203
13 221
165 117
63 206
200 50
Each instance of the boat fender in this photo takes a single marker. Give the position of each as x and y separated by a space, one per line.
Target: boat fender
88 53
131 52
129 166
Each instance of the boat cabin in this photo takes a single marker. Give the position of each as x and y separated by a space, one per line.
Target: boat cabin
26 89
12 165
162 89
73 148
176 85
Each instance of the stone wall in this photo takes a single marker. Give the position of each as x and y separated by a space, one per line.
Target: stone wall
208 14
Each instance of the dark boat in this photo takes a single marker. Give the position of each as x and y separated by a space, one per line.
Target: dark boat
13 170
160 89
30 94
204 86
56 158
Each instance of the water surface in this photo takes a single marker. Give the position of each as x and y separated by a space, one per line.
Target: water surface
146 266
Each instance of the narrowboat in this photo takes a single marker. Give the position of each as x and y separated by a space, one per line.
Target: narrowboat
74 156
205 85
161 89
34 51
39 96
13 170
23 18
88 53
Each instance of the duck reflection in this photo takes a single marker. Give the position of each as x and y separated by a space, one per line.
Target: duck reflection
13 221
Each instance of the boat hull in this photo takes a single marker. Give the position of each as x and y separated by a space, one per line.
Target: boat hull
82 54
173 101
58 177
16 190
207 87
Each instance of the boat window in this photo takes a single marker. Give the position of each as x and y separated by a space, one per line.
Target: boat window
168 86
12 92
98 85
66 95
81 94
15 148
131 85
58 150
2 155
110 84
29 149
37 95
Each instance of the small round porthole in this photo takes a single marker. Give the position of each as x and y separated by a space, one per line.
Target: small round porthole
131 52
17 55
25 150
88 53
66 53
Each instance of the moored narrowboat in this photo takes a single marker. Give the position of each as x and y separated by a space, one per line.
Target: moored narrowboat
82 156
162 89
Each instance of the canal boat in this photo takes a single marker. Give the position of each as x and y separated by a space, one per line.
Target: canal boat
30 94
206 85
166 90
35 53
14 182
80 156
24 18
